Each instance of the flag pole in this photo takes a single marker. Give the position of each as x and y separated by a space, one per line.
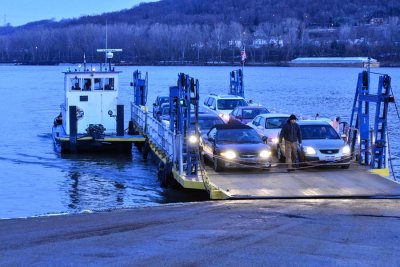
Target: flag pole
243 57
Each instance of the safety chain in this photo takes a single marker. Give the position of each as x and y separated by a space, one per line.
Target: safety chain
315 164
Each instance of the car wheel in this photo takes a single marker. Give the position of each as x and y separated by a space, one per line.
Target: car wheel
281 158
217 165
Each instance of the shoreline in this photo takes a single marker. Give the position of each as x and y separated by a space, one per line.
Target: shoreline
224 64
244 233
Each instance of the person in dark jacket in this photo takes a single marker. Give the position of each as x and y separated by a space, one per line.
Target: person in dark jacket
292 137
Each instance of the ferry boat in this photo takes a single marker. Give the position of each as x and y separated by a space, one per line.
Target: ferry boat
91 119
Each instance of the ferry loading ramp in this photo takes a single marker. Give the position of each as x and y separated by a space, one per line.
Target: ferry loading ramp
329 182
323 182
179 159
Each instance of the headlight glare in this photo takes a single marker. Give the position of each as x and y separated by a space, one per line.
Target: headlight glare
309 150
229 154
346 150
265 154
193 139
275 140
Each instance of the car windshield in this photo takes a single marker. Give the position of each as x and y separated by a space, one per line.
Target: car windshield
229 104
208 123
251 113
318 132
238 136
275 123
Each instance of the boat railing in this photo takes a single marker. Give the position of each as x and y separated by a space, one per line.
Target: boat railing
158 133
138 116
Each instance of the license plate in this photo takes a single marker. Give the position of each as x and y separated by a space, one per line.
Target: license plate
329 158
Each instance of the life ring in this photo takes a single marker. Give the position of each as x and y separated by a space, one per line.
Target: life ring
79 113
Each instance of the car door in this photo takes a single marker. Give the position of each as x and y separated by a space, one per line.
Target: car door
261 126
254 123
208 143
258 126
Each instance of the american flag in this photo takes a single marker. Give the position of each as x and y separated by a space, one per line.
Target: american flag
243 54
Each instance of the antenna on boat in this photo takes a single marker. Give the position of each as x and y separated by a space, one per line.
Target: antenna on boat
109 54
84 61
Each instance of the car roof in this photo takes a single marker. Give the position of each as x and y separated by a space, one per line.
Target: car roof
274 115
251 107
312 122
226 96
231 126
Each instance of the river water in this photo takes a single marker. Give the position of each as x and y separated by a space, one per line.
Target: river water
35 180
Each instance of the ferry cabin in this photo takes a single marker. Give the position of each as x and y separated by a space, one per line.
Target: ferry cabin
95 94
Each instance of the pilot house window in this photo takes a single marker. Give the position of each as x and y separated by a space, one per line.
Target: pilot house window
75 84
98 85
87 84
109 84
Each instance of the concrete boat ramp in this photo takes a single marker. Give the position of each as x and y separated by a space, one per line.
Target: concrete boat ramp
273 232
313 217
333 182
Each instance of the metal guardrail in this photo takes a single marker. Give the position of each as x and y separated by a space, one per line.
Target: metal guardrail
138 116
160 135
156 132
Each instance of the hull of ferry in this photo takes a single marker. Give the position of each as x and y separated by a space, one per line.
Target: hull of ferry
109 143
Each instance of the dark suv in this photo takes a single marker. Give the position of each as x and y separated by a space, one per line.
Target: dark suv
157 105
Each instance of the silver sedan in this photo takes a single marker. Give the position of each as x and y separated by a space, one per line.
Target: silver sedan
321 144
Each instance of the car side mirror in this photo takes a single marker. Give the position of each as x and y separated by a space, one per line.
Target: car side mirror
264 139
344 137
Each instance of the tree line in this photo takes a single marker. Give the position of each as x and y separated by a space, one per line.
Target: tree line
194 33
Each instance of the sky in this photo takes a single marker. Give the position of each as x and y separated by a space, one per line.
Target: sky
19 12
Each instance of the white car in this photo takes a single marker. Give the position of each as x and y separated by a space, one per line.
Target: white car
269 125
321 144
222 105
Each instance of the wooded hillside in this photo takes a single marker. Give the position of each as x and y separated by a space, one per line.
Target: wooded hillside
205 31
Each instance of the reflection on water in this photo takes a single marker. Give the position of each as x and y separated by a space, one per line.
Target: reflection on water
96 182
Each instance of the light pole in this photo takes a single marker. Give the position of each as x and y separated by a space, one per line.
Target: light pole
36 54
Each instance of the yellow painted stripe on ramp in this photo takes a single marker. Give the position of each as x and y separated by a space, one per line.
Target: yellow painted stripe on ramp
382 172
186 183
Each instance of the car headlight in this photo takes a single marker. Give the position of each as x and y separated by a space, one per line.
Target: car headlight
273 140
265 154
309 150
346 150
193 139
229 154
